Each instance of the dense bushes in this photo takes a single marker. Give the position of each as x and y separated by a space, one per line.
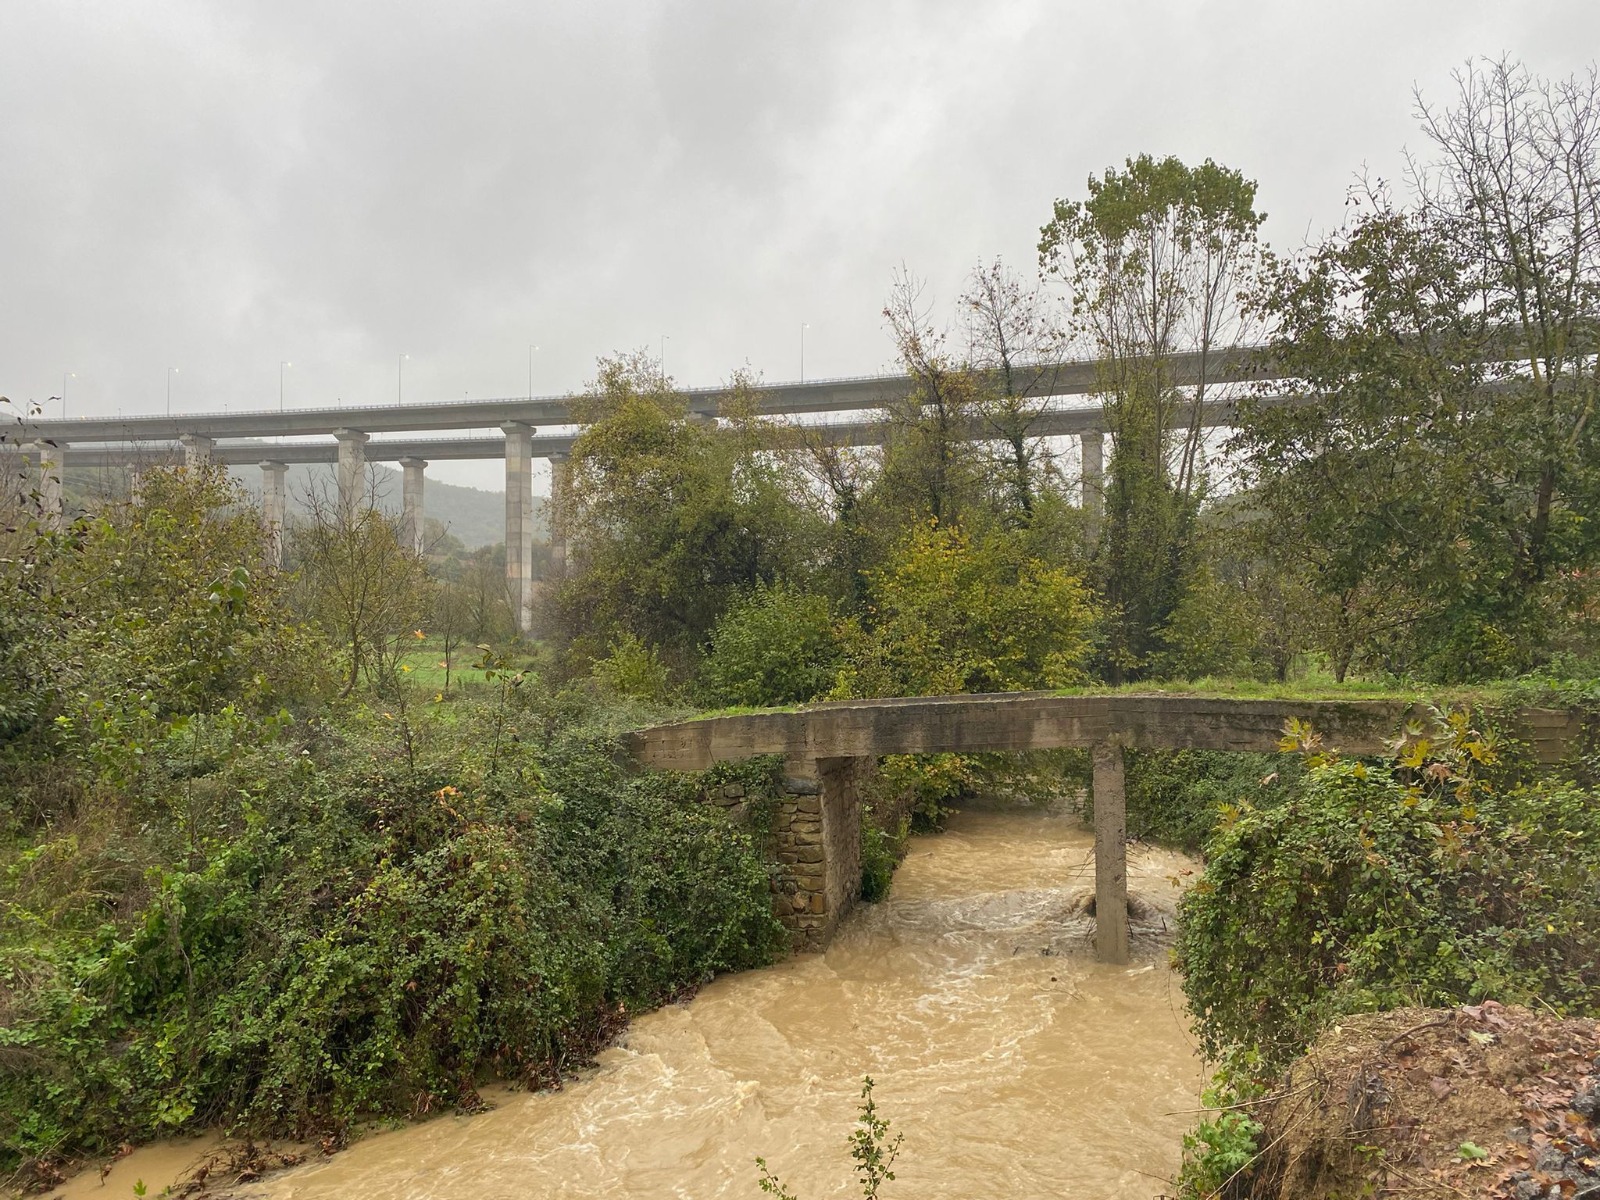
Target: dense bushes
230 896
773 646
1176 796
1370 888
357 936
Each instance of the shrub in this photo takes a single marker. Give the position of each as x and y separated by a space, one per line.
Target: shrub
633 671
362 931
1372 888
773 646
954 613
1175 797
924 785
881 851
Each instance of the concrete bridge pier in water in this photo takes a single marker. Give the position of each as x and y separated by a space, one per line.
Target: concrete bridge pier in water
827 749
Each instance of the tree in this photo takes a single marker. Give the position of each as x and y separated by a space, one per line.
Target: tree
669 516
487 594
145 634
451 618
931 467
775 645
1154 257
1514 191
1435 473
1011 337
952 613
361 582
1158 260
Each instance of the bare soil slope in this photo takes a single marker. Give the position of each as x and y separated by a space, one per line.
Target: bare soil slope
1480 1101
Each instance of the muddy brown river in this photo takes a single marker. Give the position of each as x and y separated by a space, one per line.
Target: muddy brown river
1013 1063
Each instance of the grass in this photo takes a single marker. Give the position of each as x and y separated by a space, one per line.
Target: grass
1312 688
1256 689
424 666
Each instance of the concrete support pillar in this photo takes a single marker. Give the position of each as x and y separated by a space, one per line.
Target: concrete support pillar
519 521
1093 446
411 511
1110 855
274 508
352 469
560 498
197 449
52 505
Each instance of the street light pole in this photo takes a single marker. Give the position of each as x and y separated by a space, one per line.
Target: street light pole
803 328
531 349
663 360
171 371
400 379
281 367
65 375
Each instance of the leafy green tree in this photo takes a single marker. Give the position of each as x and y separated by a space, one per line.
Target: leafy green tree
634 671
1012 334
1154 258
951 613
1214 629
931 467
669 517
1435 474
775 645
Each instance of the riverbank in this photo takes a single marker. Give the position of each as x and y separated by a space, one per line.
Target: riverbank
1479 1100
1009 1059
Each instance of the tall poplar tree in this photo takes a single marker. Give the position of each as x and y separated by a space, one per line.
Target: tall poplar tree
1155 259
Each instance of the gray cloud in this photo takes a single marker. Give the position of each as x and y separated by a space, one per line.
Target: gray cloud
224 186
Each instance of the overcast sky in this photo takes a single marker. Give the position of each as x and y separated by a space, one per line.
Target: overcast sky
224 186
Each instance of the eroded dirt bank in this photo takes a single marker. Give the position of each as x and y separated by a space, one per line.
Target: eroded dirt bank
1473 1101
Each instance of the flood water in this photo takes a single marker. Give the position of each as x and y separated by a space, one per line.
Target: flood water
1013 1063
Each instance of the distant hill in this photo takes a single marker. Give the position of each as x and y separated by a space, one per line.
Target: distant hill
477 517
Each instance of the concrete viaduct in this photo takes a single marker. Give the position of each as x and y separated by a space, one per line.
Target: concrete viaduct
827 747
409 435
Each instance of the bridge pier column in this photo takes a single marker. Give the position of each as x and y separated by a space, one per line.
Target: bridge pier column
1110 855
519 521
52 504
197 449
274 508
352 469
1092 444
818 830
412 513
560 497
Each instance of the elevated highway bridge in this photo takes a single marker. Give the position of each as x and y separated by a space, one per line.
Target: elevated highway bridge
412 435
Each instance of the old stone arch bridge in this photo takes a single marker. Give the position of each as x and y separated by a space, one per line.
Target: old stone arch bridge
826 747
